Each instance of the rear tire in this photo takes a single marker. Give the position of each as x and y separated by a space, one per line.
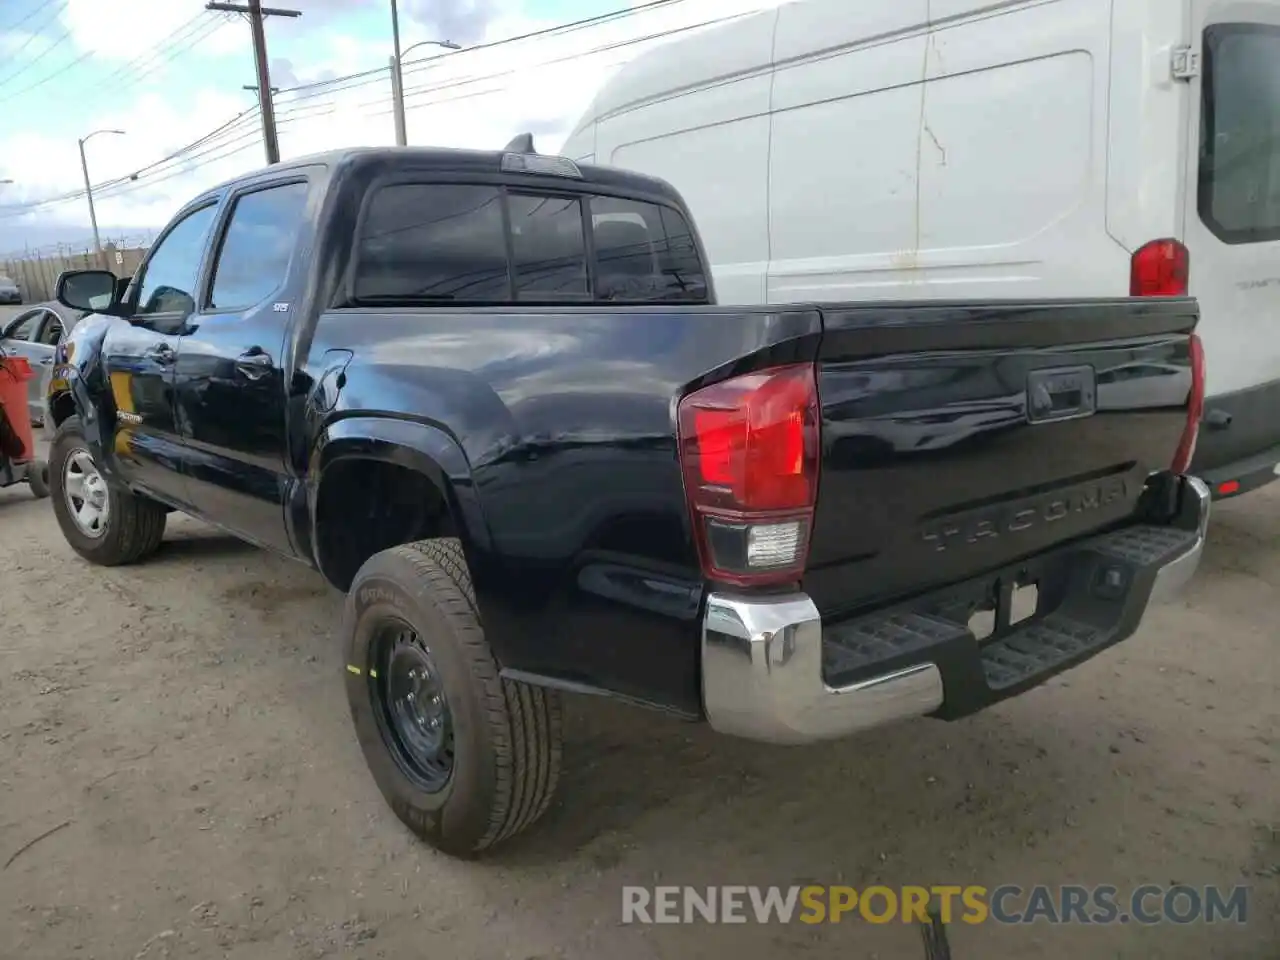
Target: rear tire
131 526
499 771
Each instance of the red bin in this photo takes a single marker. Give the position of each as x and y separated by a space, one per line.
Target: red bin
15 372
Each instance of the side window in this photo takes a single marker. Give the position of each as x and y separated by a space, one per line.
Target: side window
257 246
169 278
429 242
51 332
1240 133
548 248
644 253
25 327
422 243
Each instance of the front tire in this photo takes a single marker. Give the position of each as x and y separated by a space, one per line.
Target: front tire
104 522
464 758
38 478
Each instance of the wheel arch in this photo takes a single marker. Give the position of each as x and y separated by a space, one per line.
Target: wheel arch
371 481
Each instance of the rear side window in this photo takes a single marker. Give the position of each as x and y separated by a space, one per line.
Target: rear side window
433 242
548 247
257 246
458 242
645 253
1239 188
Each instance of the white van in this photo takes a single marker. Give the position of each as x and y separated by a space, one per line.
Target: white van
891 149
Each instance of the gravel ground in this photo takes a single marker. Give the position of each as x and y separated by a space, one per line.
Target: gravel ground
181 728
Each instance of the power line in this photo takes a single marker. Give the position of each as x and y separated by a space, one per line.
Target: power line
233 132
144 60
39 32
30 13
375 75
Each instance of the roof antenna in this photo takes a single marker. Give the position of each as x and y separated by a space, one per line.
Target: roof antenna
523 143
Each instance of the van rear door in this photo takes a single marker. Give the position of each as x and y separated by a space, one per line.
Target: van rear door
1233 229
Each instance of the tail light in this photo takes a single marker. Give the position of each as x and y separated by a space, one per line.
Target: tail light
1161 268
1195 409
749 452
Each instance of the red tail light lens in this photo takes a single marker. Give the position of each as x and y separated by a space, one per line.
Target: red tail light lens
749 452
1162 268
1195 410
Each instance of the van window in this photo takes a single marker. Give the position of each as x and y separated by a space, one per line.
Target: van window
452 242
1239 188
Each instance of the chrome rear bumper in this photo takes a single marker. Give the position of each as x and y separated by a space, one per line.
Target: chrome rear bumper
763 672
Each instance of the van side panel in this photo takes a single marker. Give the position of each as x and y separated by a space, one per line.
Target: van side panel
1232 205
1147 165
711 142
965 159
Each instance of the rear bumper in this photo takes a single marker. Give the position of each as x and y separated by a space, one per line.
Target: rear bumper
1242 476
772 671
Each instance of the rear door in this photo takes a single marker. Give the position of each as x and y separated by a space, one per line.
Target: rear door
1233 221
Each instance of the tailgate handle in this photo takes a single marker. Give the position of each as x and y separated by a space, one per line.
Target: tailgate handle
1061 393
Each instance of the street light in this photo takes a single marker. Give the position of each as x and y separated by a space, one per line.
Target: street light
88 189
397 77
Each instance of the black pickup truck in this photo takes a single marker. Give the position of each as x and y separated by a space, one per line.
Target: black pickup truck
490 396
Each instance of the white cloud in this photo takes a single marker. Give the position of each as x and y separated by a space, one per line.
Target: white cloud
105 28
476 98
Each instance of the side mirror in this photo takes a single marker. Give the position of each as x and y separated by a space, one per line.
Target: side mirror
92 290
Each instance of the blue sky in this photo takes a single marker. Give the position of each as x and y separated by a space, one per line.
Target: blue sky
168 73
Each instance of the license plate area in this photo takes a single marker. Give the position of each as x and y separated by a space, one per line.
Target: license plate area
1012 602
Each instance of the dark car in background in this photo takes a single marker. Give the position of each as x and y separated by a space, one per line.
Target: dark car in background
9 292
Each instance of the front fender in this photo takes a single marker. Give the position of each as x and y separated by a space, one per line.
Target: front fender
407 443
77 374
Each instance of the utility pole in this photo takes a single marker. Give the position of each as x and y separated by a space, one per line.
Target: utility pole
88 189
256 13
397 79
397 86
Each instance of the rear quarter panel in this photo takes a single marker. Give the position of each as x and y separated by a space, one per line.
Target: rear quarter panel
566 421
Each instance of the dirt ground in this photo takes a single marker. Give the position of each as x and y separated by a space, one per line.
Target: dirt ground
181 728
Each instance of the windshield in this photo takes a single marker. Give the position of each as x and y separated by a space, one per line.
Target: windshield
1239 189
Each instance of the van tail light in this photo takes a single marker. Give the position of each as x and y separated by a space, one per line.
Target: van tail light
749 453
1195 409
1161 268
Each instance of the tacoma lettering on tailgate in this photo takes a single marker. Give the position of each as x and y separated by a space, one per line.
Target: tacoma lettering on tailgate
1008 519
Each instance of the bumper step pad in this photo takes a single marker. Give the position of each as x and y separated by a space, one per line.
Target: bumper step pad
934 628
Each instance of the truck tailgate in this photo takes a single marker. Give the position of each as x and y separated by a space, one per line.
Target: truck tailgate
959 438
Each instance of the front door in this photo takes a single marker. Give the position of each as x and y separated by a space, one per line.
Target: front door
139 354
230 384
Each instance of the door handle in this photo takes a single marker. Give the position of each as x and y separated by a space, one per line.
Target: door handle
162 353
254 365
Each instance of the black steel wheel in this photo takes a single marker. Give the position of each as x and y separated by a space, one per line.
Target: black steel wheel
465 758
412 708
